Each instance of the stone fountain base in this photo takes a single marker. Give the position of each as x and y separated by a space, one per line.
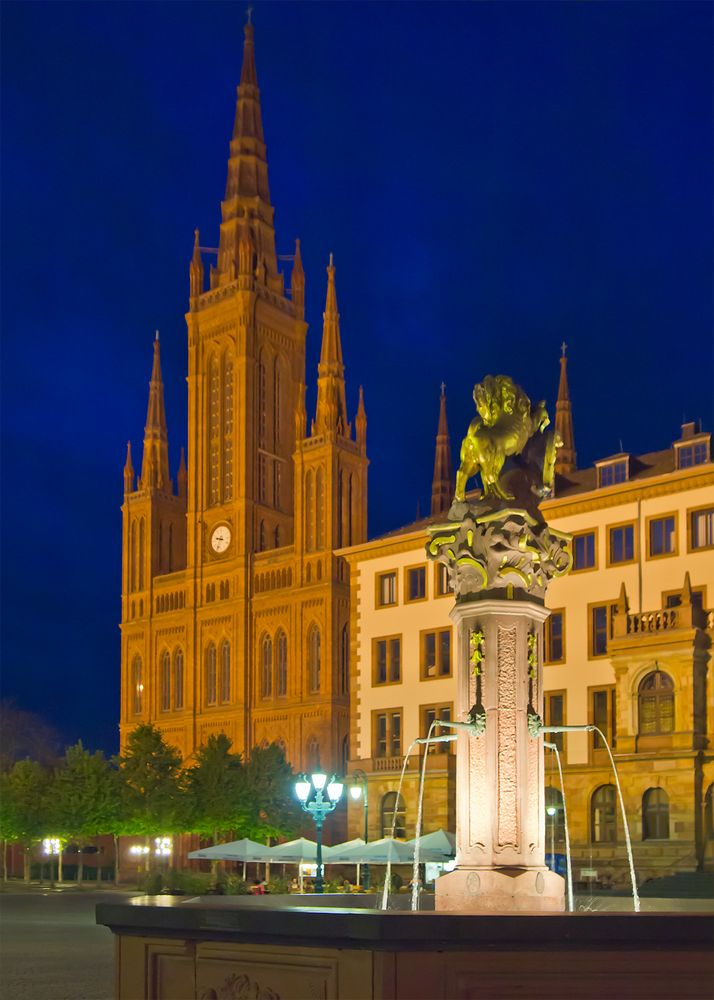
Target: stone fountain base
500 890
226 949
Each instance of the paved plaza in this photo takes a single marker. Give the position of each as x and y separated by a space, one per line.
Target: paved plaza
52 949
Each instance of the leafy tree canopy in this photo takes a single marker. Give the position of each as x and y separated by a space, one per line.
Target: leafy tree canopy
150 771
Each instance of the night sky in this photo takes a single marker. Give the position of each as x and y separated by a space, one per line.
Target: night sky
492 179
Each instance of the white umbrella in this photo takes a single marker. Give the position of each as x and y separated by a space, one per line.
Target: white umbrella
300 851
237 850
436 846
340 853
379 852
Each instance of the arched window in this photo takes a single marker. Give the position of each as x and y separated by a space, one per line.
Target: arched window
345 660
393 813
603 824
137 684
211 674
709 813
281 656
262 405
134 558
276 538
261 537
554 821
312 761
349 511
345 754
655 700
228 428
319 509
171 549
266 667
214 431
141 554
340 509
165 681
178 678
225 671
655 814
309 513
314 658
276 405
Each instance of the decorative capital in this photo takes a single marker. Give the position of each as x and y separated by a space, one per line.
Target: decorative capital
508 551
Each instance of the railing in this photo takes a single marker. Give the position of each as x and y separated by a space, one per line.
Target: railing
653 621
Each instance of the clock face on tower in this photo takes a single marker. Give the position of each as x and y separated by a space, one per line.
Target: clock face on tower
220 538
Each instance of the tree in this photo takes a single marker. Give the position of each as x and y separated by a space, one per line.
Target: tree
217 799
84 799
23 806
274 811
25 734
150 784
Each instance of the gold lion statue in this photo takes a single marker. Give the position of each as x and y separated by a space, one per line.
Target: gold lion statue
504 425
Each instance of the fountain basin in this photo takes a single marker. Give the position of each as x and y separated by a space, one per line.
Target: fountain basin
207 948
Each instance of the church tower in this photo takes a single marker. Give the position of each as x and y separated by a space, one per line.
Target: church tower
442 486
566 459
245 638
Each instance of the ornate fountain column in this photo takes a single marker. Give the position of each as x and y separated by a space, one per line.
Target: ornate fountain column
500 556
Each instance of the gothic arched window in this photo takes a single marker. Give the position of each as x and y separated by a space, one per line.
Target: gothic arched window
228 428
314 658
178 678
603 823
137 684
134 559
312 762
211 674
393 816
225 671
165 681
340 509
261 537
345 660
309 513
266 667
141 554
277 401
319 509
281 656
655 814
345 754
349 511
214 431
262 405
655 699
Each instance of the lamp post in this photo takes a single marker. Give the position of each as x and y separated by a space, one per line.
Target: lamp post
551 810
357 792
309 793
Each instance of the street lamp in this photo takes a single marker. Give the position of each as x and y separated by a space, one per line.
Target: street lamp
310 794
551 810
357 792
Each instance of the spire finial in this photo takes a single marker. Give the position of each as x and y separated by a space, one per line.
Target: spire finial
563 349
443 388
156 338
249 15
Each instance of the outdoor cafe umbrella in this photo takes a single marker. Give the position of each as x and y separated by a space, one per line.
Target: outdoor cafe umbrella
237 850
436 846
377 852
341 853
300 851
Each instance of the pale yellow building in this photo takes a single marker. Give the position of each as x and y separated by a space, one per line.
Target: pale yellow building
235 608
627 648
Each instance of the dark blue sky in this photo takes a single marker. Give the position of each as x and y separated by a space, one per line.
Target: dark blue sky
492 179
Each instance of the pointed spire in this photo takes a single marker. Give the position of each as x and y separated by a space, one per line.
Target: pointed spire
128 471
361 423
331 413
195 271
623 605
566 459
442 486
182 477
155 462
687 589
247 199
297 281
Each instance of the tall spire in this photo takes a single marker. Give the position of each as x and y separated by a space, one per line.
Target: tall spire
128 471
297 280
361 423
182 477
565 462
247 197
442 487
195 271
155 462
331 413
